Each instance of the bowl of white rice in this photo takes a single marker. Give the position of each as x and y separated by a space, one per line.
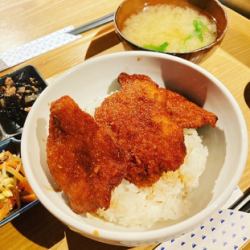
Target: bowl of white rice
180 200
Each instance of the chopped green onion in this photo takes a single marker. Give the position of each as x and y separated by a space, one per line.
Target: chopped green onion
199 29
160 48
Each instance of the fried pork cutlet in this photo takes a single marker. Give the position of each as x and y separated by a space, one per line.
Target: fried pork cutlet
82 158
151 141
185 113
147 122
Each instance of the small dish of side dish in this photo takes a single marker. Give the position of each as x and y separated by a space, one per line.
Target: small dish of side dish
18 92
134 147
189 29
16 196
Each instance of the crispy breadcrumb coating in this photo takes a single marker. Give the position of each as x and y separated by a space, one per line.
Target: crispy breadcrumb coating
184 112
137 134
82 158
147 122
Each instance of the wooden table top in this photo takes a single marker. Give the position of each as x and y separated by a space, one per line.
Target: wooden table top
23 21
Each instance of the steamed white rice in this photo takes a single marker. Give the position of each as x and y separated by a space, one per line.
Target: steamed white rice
167 199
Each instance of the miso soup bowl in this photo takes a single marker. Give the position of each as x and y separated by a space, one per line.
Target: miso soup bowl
97 77
211 8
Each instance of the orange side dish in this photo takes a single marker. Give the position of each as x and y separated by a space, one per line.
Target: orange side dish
14 188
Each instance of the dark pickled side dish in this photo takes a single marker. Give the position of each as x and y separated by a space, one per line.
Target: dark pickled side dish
18 92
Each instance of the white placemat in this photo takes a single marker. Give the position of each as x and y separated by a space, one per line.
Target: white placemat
225 230
36 47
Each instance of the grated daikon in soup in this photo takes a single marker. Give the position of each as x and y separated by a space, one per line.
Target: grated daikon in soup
167 28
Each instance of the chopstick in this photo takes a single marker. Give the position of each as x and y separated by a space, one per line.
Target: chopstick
243 203
246 208
93 24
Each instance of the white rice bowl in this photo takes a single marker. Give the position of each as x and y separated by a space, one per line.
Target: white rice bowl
94 78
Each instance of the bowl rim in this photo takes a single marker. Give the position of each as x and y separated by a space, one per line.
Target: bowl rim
210 45
152 234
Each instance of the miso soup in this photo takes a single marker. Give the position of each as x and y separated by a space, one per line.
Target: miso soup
168 28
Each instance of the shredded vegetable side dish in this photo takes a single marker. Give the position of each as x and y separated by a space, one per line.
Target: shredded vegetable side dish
14 188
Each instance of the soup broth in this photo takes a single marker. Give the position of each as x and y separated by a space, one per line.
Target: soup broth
167 28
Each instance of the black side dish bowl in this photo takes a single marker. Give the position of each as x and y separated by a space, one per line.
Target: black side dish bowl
18 92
